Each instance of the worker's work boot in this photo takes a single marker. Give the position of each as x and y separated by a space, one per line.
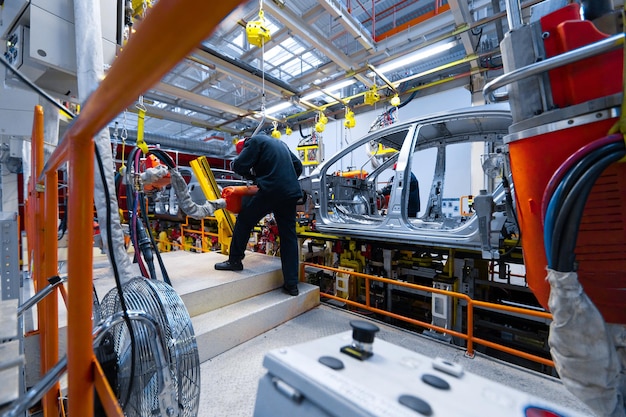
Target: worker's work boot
229 265
290 289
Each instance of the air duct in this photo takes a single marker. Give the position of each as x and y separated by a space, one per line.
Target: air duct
213 149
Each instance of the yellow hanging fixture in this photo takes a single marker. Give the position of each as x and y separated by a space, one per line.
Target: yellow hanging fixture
276 133
395 101
372 96
288 131
349 123
257 32
321 122
141 115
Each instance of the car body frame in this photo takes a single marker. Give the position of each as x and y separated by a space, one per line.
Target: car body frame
347 202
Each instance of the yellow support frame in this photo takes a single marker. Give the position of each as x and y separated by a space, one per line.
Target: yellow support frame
225 219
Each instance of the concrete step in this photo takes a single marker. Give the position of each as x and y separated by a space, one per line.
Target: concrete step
224 328
229 307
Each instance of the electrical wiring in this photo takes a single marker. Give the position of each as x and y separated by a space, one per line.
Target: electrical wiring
566 205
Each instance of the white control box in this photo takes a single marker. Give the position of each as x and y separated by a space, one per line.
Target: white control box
316 379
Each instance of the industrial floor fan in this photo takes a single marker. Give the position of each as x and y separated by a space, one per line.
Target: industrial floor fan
153 366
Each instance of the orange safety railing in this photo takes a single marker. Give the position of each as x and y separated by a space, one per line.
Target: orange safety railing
471 305
153 50
188 231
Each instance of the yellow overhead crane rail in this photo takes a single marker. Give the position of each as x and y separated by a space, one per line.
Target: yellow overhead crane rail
225 219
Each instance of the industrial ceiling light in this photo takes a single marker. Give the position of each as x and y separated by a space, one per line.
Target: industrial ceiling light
413 58
330 89
280 106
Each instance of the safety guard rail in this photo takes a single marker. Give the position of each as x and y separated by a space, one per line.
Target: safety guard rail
471 305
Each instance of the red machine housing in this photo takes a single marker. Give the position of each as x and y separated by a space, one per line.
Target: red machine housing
601 244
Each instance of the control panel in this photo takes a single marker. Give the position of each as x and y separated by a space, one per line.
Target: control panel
350 374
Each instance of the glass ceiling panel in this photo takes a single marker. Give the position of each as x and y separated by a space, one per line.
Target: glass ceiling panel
296 67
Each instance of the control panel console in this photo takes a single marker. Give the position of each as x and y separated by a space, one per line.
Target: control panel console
350 374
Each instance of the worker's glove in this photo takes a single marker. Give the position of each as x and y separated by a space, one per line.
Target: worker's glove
220 203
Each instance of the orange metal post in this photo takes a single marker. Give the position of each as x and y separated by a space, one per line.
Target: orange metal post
36 158
47 311
50 304
80 277
105 393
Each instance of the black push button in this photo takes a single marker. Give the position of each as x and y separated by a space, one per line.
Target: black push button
332 363
416 404
435 381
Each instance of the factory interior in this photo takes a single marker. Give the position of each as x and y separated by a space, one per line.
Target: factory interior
460 234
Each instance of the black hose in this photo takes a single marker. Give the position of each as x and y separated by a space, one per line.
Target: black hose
145 245
116 274
302 134
586 163
573 207
577 185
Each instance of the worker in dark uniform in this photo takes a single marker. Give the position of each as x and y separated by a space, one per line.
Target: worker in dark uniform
275 170
414 194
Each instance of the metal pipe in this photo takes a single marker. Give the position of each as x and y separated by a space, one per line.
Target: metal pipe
50 305
24 402
173 143
514 14
47 314
569 57
40 295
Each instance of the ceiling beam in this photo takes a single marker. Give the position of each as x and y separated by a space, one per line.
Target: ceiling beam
299 27
349 23
243 71
171 116
200 99
462 16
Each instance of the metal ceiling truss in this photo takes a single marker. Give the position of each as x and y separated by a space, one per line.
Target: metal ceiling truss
228 90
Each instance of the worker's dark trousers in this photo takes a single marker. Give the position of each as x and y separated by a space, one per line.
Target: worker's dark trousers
285 214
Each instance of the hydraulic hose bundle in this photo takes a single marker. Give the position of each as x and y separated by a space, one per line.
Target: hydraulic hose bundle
142 239
566 195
